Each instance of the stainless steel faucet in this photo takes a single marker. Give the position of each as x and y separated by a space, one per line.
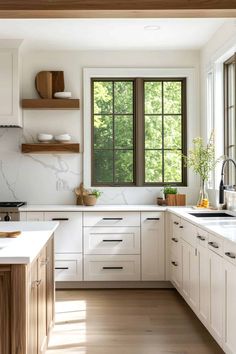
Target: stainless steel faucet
222 186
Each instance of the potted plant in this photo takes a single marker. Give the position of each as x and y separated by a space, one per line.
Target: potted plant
170 193
91 198
201 158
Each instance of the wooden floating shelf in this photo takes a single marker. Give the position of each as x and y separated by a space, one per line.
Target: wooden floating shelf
49 148
44 103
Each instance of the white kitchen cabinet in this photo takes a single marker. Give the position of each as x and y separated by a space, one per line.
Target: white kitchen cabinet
204 281
68 267
175 261
229 344
153 246
216 283
111 240
176 271
68 236
111 268
111 218
190 284
10 112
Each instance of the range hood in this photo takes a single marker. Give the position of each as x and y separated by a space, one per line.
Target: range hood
10 110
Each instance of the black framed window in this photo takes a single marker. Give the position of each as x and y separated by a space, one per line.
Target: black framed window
138 131
230 116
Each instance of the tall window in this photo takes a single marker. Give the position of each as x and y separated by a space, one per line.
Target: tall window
138 131
230 118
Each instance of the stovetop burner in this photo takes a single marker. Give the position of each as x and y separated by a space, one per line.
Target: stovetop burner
11 204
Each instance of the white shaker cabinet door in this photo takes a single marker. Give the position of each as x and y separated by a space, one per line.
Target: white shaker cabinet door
68 235
153 246
230 308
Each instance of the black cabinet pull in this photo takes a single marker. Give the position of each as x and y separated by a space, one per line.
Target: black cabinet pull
230 255
175 264
112 240
176 223
60 219
112 218
213 244
153 219
112 267
181 227
201 238
62 268
175 239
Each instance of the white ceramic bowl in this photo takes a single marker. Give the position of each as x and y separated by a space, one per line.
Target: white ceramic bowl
43 137
62 138
62 94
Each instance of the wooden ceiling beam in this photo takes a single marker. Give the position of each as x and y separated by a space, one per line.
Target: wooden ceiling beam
116 8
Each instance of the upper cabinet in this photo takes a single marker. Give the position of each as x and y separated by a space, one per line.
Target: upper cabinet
10 112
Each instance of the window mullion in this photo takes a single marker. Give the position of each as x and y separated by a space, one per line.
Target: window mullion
139 132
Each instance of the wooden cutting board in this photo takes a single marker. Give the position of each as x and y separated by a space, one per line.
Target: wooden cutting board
58 84
43 84
9 234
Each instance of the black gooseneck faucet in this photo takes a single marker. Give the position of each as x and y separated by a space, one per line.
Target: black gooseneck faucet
222 186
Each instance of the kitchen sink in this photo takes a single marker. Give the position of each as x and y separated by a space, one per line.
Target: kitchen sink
212 215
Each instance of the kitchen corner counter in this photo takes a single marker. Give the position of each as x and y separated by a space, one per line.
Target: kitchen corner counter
24 248
98 207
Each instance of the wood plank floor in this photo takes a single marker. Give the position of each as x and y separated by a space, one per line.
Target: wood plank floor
127 322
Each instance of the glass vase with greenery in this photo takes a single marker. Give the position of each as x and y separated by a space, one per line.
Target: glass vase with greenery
201 158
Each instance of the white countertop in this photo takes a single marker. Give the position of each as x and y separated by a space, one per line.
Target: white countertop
222 227
29 207
24 248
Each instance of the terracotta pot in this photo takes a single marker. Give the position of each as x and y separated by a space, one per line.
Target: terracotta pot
89 200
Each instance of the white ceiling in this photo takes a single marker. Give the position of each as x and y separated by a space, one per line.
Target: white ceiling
110 34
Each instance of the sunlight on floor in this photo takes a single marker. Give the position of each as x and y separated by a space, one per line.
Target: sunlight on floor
69 333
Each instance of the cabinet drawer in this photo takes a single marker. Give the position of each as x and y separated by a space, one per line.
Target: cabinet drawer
111 240
176 270
68 267
230 251
188 233
111 268
35 216
175 245
202 237
152 219
215 244
68 235
111 218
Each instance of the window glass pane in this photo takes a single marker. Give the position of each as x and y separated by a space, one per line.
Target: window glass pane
123 100
172 132
153 166
172 97
123 166
103 166
172 163
124 132
153 97
103 132
153 132
103 97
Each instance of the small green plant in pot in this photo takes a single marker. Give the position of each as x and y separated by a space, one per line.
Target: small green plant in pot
91 198
169 190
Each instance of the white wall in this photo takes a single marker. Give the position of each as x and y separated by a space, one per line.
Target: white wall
51 179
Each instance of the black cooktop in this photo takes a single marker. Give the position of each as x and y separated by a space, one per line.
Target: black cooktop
11 204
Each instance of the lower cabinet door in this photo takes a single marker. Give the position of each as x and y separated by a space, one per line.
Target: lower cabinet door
68 267
176 271
230 308
204 284
216 296
111 268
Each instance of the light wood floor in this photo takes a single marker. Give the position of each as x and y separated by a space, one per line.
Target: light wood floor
127 322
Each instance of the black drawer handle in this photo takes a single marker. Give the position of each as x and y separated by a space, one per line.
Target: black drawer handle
176 223
60 219
230 255
181 227
112 267
174 264
112 218
62 268
213 244
153 219
175 239
201 238
112 240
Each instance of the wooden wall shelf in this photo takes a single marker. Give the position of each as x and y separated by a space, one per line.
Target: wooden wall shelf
44 103
49 148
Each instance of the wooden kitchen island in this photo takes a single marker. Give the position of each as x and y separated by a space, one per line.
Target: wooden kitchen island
27 293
